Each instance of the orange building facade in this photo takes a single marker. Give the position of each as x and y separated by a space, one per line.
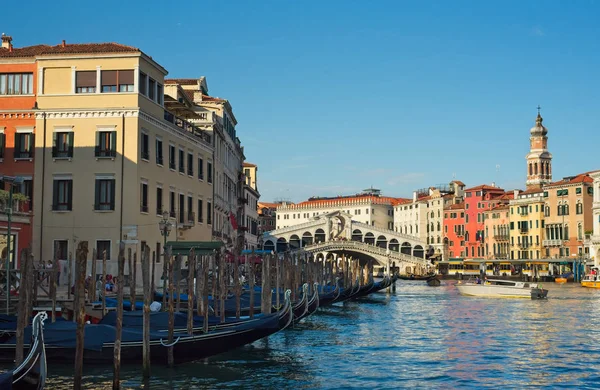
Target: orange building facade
18 85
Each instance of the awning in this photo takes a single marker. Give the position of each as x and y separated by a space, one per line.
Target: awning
200 247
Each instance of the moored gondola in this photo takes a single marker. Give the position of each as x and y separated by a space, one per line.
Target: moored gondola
312 305
31 373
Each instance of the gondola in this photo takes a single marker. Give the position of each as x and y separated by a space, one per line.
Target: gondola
31 373
414 277
99 340
312 305
328 298
433 281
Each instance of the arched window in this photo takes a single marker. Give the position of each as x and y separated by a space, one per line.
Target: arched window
579 208
432 214
565 209
427 228
535 168
579 232
559 209
530 170
439 214
410 229
439 239
432 226
547 211
439 227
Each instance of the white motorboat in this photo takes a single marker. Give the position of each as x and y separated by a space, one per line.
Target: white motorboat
495 288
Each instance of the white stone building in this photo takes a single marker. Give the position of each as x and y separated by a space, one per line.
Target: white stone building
593 242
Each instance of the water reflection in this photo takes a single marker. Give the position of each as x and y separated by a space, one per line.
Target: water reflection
416 337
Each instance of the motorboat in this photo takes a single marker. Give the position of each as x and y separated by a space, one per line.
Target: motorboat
591 279
497 288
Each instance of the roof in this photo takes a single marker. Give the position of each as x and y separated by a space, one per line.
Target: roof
484 187
182 81
458 206
344 200
401 201
506 196
460 183
580 178
250 165
501 206
70 48
268 205
531 191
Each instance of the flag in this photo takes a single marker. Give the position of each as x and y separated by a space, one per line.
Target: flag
233 221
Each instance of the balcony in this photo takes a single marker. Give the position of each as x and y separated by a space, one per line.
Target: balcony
552 242
191 219
172 214
524 231
104 153
591 239
62 152
501 237
187 127
28 154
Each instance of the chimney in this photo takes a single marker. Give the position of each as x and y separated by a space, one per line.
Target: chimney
414 196
6 41
493 184
516 194
64 43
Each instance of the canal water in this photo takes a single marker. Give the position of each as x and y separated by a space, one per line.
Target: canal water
418 336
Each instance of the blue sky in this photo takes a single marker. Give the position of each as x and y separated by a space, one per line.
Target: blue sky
336 96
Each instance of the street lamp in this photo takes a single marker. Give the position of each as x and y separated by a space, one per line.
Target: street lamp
164 225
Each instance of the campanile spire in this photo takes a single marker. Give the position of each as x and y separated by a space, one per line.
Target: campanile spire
539 160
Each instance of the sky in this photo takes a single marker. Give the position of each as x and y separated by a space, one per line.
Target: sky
335 96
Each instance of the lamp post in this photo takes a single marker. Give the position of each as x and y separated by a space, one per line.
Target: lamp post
164 225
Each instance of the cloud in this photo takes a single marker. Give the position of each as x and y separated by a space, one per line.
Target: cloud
410 177
537 31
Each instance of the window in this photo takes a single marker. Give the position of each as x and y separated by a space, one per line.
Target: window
104 194
143 84
62 144
61 249
85 81
200 168
145 147
106 144
159 151
62 195
172 157
190 164
181 208
181 161
2 145
200 210
578 190
547 211
579 208
144 198
172 204
24 145
117 80
190 209
209 172
159 201
208 213
152 89
102 246
159 94
16 83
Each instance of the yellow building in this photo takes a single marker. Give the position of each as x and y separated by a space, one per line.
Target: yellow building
113 158
527 224
497 229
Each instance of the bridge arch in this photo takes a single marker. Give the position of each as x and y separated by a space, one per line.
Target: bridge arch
319 236
418 251
382 242
394 245
357 235
406 248
294 242
307 239
282 244
269 246
370 238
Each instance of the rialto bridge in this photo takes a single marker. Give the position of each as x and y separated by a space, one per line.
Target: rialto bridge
336 233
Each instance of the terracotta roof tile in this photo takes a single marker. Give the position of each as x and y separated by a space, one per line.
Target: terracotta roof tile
531 191
342 200
247 164
458 206
401 201
580 178
182 81
74 48
484 187
267 205
460 183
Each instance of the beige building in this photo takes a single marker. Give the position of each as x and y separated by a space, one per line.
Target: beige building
568 215
593 237
497 232
113 159
527 224
369 207
251 197
215 116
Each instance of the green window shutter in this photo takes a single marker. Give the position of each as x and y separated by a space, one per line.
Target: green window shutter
54 194
70 194
71 141
97 195
17 144
578 190
113 143
590 190
112 194
545 194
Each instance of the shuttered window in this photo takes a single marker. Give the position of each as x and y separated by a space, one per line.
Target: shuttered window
62 195
106 144
85 81
105 194
117 80
62 144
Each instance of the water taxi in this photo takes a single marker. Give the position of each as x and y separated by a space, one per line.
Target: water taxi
591 280
495 288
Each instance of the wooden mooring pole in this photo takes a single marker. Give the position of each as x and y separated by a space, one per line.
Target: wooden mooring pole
54 284
170 357
190 285
22 315
251 287
81 263
94 276
133 281
103 282
119 327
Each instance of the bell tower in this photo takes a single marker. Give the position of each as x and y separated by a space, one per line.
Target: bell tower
539 160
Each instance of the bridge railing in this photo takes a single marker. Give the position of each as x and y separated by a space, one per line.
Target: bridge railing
324 246
387 231
296 227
